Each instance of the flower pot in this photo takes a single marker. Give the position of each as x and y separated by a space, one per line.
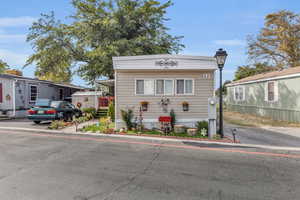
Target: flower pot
191 131
179 129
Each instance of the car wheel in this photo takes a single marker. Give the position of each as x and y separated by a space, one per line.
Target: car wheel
37 122
66 117
71 117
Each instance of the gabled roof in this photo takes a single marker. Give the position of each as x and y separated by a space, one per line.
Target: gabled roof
109 82
12 76
88 93
280 74
164 62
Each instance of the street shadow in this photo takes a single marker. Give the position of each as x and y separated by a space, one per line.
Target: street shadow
204 145
47 123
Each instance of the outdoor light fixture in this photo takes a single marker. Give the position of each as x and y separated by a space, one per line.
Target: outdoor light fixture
221 56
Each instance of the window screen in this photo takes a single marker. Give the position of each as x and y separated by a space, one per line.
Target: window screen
140 87
188 86
180 86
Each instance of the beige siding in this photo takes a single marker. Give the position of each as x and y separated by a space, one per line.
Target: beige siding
203 89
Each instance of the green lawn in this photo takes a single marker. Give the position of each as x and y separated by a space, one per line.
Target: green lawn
155 132
98 127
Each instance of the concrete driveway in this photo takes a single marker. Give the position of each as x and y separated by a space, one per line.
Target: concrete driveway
260 136
24 123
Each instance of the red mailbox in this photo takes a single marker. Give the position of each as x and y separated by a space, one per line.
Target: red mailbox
164 119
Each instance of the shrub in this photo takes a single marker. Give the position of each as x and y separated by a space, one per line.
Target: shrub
202 125
127 117
89 111
88 116
105 121
111 111
57 124
109 131
217 137
173 118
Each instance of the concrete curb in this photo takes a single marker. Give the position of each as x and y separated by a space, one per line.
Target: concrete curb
150 138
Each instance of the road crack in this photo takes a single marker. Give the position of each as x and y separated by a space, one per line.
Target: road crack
132 179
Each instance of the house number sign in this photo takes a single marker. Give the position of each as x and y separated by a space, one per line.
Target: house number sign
166 63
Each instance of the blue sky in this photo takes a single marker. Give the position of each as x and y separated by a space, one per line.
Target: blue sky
205 25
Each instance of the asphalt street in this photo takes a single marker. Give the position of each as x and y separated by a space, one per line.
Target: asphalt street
37 166
24 123
253 135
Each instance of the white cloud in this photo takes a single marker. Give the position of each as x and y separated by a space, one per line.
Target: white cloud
12 38
16 21
233 42
12 58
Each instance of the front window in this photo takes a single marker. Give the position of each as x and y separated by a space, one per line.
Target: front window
184 86
164 87
271 90
239 93
145 87
33 93
61 94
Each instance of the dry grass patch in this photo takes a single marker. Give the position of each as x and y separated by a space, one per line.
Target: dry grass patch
254 121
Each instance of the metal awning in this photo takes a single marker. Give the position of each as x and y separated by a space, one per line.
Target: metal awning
109 83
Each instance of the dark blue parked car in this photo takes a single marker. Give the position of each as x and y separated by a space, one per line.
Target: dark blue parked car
45 110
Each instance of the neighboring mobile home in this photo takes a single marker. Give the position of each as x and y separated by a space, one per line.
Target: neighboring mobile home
18 93
160 83
274 94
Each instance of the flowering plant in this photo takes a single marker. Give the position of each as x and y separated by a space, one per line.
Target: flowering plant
144 103
185 103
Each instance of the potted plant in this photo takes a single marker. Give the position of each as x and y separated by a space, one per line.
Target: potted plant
144 105
185 106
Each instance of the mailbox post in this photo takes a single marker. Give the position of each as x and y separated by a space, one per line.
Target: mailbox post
212 116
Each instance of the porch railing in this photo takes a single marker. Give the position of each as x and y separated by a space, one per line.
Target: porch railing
105 101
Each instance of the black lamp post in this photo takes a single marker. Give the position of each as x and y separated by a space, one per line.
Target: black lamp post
221 56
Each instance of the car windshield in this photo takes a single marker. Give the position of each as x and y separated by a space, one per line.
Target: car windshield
55 104
43 103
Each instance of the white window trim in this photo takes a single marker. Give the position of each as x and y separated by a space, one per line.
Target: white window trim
185 94
165 79
37 93
143 79
276 97
244 93
174 91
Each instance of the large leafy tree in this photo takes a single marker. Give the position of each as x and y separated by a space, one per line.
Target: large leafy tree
100 30
50 40
247 70
278 42
3 66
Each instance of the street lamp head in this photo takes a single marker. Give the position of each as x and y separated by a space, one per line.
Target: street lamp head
221 56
